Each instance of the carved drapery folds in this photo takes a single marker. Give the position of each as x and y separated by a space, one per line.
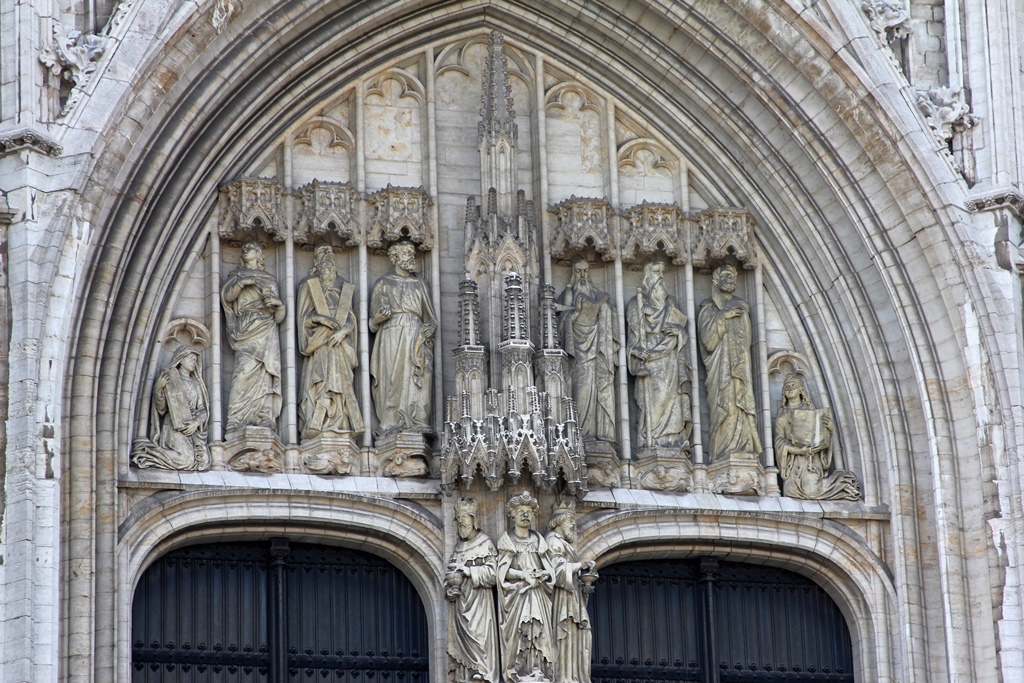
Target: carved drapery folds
803 446
583 229
541 631
180 415
400 213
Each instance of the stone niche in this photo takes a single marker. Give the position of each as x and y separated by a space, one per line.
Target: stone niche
467 321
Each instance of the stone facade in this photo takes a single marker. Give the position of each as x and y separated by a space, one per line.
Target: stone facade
857 164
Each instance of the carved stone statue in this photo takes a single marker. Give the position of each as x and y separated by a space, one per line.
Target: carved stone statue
327 337
525 581
666 478
402 361
573 583
725 338
588 339
803 448
179 417
656 356
253 310
469 584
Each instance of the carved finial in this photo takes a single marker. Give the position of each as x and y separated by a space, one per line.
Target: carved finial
515 325
492 202
548 318
469 314
498 115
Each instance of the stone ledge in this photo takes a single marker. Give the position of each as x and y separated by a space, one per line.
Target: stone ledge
611 499
639 499
291 483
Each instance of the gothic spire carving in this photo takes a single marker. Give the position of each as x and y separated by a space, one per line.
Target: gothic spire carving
498 133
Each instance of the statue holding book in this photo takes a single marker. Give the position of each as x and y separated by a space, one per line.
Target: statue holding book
803 448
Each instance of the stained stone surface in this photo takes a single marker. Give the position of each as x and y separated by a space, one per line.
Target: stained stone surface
856 162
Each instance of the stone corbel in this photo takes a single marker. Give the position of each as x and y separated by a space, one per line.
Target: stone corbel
72 56
327 208
583 229
946 112
25 138
651 229
721 233
890 19
400 213
252 204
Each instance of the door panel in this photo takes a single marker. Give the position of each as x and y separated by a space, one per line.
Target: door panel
203 614
709 622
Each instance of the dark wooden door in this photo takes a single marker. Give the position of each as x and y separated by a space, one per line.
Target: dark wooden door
270 612
702 621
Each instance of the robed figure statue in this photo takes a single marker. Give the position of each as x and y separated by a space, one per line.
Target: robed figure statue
327 338
573 582
469 586
253 310
525 582
402 362
656 356
588 337
725 338
179 417
803 448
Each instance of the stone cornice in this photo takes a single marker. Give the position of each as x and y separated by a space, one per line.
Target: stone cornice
27 138
1003 198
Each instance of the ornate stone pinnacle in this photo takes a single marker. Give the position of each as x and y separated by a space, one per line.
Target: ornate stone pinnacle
515 326
498 116
469 314
548 318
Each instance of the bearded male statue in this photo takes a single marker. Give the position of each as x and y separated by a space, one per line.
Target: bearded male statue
656 356
402 361
725 339
327 338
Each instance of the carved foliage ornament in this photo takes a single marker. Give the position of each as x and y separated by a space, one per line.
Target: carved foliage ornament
251 203
400 213
583 229
887 17
26 138
721 232
72 55
946 111
891 21
654 228
326 208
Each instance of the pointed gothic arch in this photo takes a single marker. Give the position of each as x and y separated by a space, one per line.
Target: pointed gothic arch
845 236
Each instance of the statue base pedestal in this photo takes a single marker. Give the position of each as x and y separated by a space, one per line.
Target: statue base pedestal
737 475
771 482
254 449
402 454
664 469
331 454
603 465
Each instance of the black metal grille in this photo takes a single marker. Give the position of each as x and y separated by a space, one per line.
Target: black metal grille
206 614
708 622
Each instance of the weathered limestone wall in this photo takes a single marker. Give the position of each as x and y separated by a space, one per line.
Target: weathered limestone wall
888 233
